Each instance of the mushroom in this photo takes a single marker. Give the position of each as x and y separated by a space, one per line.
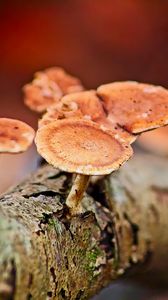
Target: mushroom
86 105
136 107
81 105
48 87
81 146
15 136
116 129
59 111
67 83
155 141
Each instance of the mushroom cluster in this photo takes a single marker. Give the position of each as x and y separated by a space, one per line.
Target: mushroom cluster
91 132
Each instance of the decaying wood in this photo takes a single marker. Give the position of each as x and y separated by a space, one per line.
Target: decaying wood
46 254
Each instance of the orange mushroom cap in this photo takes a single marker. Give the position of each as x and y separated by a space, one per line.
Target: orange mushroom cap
116 130
155 141
137 107
59 111
81 146
67 83
88 103
76 105
48 87
15 136
41 93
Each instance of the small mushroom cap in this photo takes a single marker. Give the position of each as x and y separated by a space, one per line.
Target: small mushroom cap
48 87
60 111
76 105
88 103
156 141
137 107
41 93
67 83
15 136
81 146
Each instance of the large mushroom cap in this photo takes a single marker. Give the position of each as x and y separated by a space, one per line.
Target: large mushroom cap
135 106
80 146
15 136
48 87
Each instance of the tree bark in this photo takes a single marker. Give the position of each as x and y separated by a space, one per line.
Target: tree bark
45 254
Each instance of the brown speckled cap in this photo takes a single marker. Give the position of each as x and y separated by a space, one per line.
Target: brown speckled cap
81 146
48 87
15 136
137 107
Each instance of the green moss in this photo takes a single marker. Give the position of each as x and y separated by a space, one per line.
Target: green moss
91 257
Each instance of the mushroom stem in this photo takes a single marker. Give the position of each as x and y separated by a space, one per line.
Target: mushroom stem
79 186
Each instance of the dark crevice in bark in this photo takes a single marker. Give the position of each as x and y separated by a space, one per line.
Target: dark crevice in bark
97 192
49 294
135 229
79 295
45 193
106 242
30 280
29 297
63 294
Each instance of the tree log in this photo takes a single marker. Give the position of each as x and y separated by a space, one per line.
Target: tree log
46 254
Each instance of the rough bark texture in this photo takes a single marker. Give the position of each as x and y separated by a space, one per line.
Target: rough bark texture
45 254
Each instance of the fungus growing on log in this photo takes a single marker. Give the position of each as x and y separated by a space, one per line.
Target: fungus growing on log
137 107
48 87
15 136
81 147
90 132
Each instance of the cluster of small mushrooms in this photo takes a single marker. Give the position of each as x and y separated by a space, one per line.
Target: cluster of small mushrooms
88 132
